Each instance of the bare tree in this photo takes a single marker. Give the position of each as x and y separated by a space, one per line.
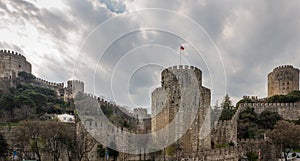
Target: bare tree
55 139
84 142
286 135
51 137
29 135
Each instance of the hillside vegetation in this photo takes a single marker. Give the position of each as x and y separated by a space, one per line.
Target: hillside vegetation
27 101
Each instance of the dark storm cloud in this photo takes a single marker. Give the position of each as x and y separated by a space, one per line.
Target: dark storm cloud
253 37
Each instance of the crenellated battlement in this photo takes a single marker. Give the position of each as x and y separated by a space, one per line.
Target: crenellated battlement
140 109
182 67
282 105
102 101
12 53
47 83
283 67
76 81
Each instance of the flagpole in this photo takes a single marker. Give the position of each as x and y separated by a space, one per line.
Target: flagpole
179 56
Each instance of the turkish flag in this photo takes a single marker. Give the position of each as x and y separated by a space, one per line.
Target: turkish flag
181 48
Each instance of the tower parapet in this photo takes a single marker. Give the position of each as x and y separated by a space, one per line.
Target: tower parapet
12 53
183 74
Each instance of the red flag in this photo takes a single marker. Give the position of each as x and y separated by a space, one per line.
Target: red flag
181 48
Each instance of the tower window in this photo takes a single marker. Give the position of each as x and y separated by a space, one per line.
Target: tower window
20 66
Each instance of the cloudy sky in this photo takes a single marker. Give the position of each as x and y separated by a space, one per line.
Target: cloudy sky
119 47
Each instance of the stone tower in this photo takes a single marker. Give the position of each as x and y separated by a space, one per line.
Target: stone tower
140 113
11 63
282 80
165 106
73 87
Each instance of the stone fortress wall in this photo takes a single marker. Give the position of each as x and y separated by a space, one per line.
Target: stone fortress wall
288 111
282 80
98 127
67 93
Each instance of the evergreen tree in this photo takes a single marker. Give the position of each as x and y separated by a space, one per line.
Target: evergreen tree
227 109
227 104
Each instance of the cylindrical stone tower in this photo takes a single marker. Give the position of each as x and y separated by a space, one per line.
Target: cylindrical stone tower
283 80
11 61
